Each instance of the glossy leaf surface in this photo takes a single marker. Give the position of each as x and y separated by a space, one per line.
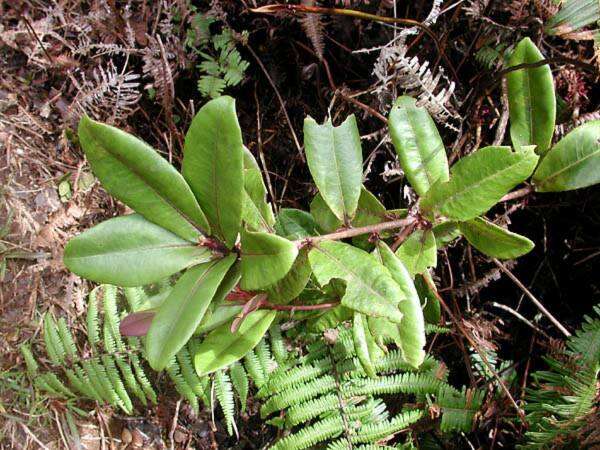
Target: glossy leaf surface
479 180
183 310
130 251
364 344
495 241
334 157
445 233
418 252
573 163
257 213
295 224
221 347
418 144
370 288
136 174
412 326
213 166
266 259
531 99
292 284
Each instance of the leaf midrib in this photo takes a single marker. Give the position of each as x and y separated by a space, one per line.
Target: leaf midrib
140 249
451 199
570 166
346 268
147 183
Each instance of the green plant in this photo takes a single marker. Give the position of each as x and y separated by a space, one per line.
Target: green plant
563 401
111 370
326 397
241 266
221 64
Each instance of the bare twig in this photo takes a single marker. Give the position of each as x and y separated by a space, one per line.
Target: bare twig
519 316
351 232
537 303
523 192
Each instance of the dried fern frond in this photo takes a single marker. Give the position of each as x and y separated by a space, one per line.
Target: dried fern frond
396 70
313 27
109 94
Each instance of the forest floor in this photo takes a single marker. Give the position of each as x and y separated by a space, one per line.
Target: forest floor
127 63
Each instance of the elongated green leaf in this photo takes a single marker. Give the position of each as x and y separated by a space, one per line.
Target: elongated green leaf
430 303
445 233
368 212
213 166
479 180
295 224
292 284
412 326
183 310
495 241
136 174
334 157
370 288
266 259
531 99
331 318
573 163
418 252
221 347
130 251
418 143
363 344
257 213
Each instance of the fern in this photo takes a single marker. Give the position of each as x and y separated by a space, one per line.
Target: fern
224 394
564 398
221 65
326 398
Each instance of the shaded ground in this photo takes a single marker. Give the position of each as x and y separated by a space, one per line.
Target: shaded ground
58 60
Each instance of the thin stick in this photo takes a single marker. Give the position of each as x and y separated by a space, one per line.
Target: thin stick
469 338
520 317
523 192
281 102
292 308
37 38
351 232
532 298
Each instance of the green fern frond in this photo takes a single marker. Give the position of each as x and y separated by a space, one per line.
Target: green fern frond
111 316
298 394
30 362
254 368
309 410
404 383
143 379
181 385
458 408
92 320
562 398
117 384
224 394
186 366
311 435
239 379
374 432
278 345
54 345
66 338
